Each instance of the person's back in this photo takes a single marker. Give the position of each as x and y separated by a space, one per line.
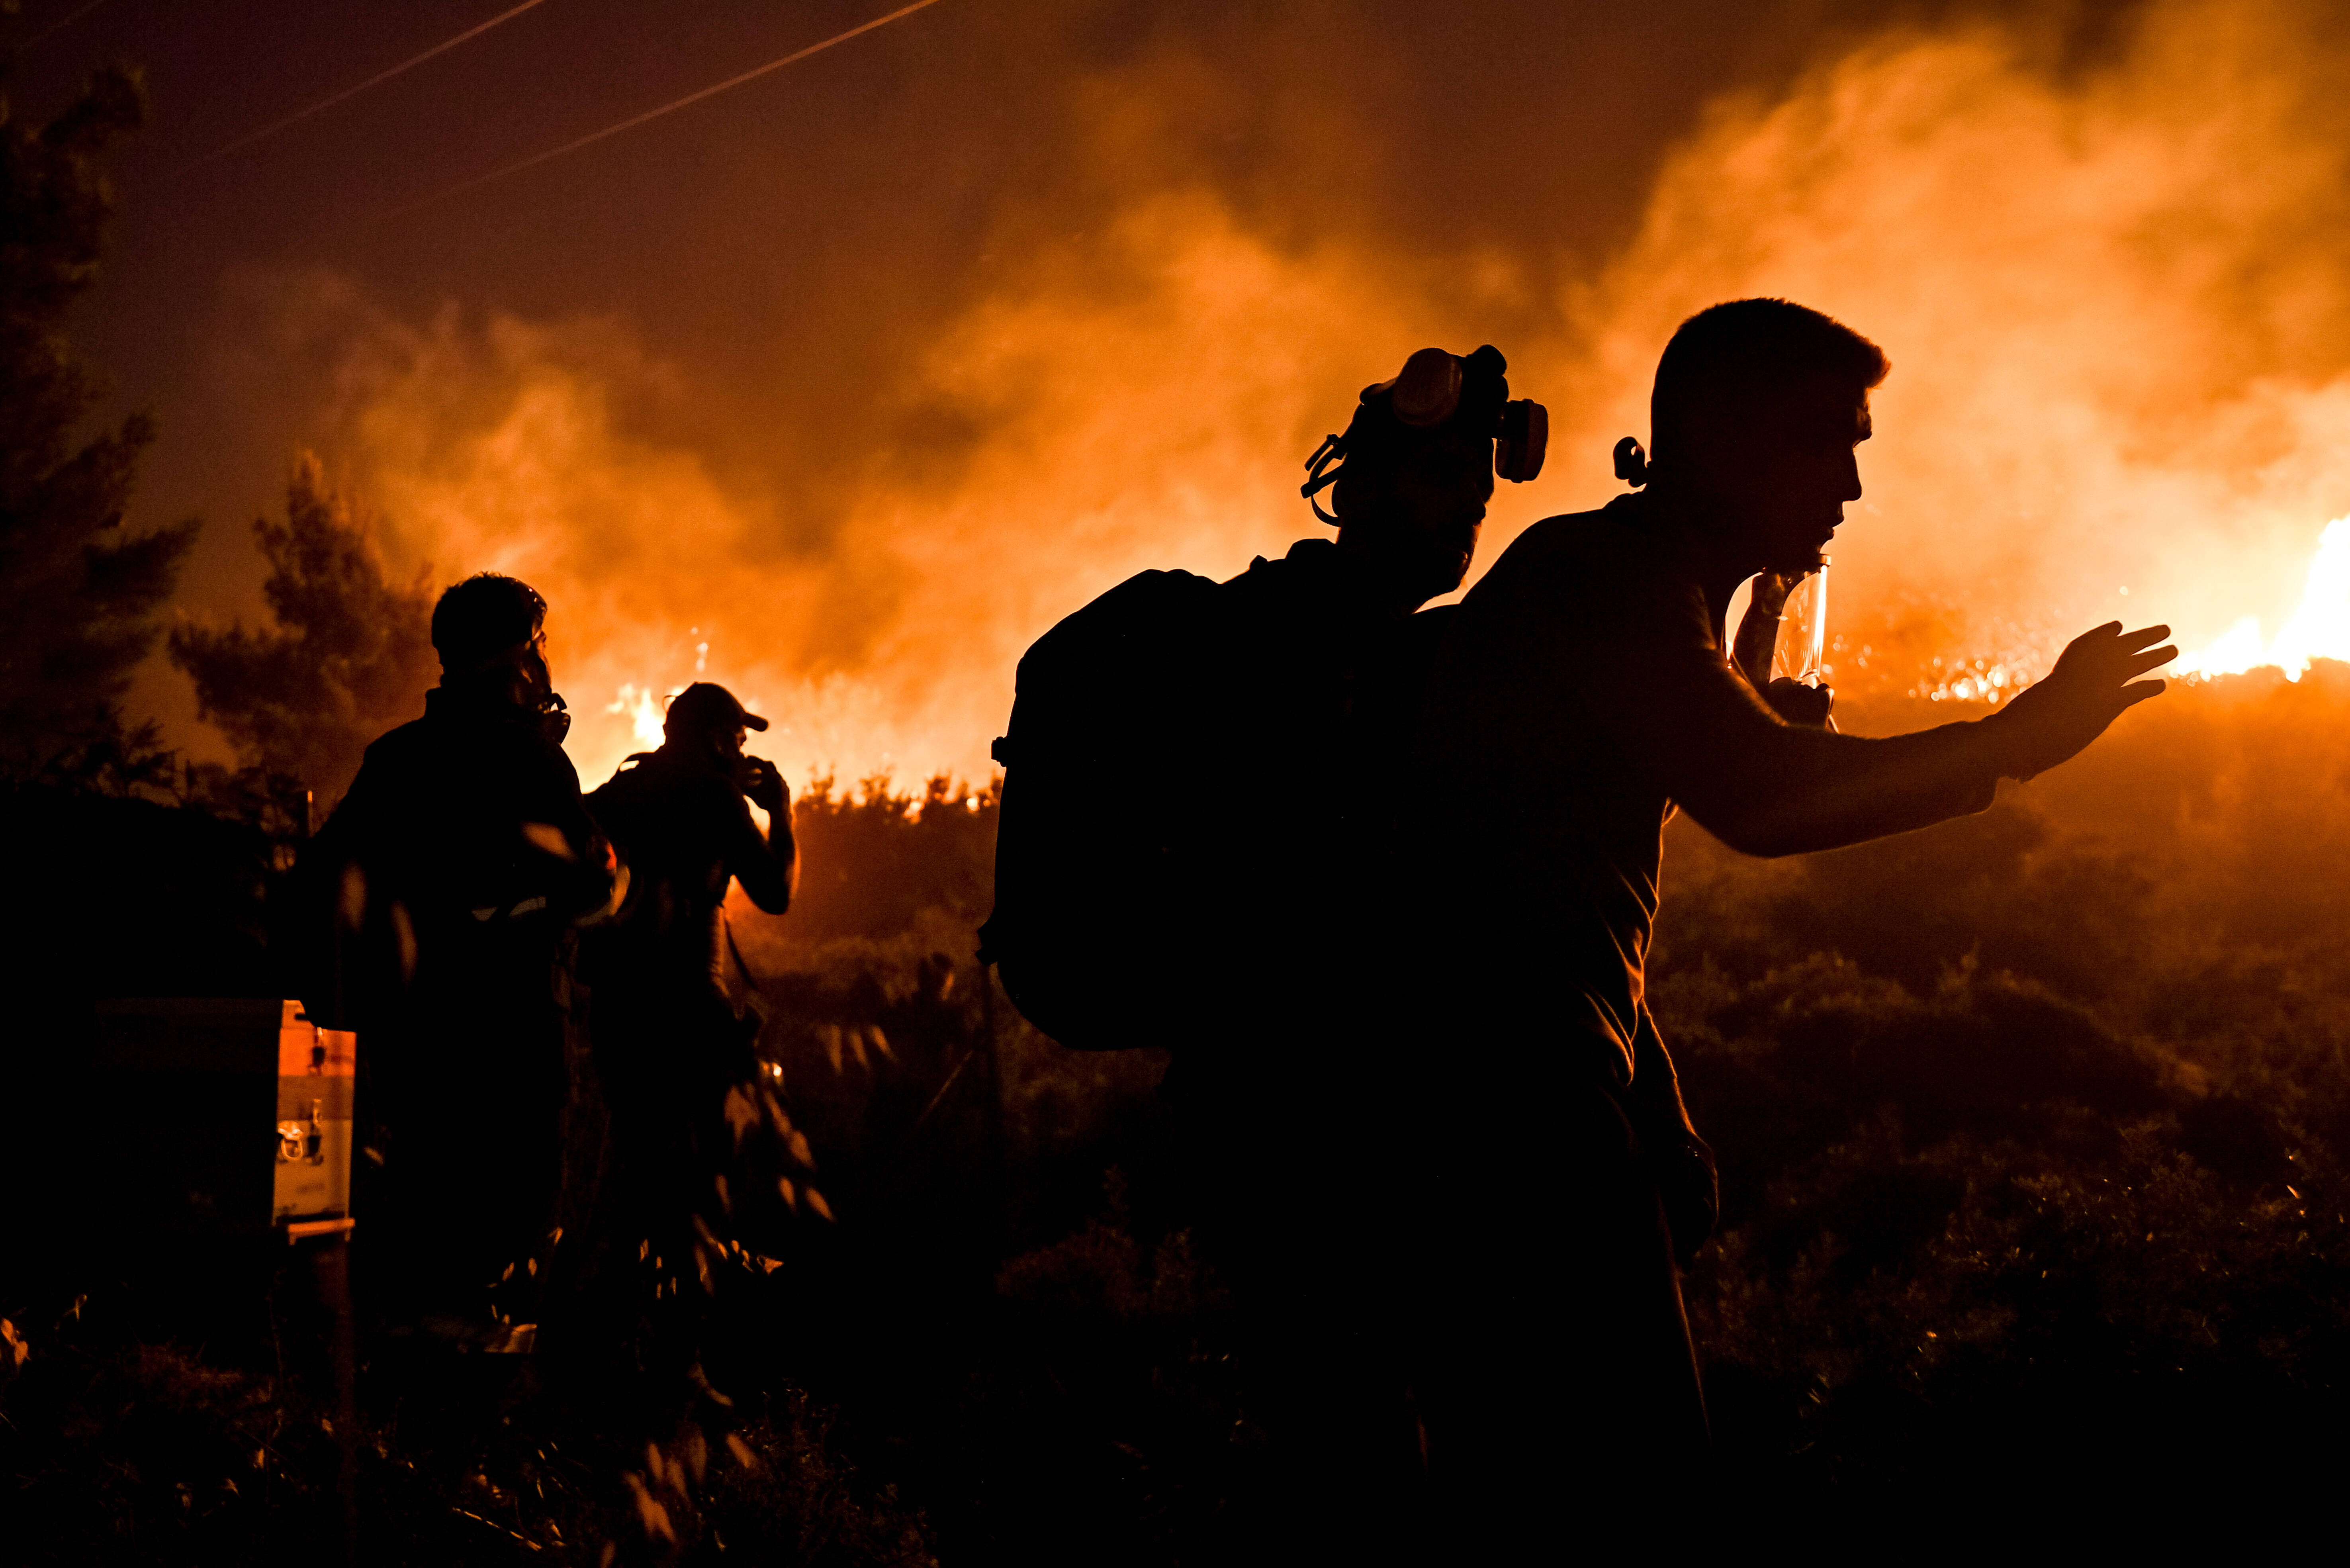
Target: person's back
1552 829
1309 669
670 1040
682 829
446 804
680 819
455 866
1280 1105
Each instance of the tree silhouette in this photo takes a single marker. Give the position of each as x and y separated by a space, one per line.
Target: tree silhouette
349 657
77 593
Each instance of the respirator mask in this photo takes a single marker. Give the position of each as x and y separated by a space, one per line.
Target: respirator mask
1437 393
553 718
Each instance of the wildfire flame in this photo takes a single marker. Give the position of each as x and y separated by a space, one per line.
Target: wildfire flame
2124 263
2319 628
643 708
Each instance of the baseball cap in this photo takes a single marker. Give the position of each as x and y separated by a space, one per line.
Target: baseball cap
705 706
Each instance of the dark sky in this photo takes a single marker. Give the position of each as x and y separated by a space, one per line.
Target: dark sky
858 196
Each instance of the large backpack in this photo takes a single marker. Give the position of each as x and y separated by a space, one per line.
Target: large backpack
1096 852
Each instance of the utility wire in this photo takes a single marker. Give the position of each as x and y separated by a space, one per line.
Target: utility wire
60 25
324 104
631 123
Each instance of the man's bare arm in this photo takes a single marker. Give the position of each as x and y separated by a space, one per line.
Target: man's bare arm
1769 788
767 864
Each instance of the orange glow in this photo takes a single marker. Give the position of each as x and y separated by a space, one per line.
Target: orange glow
2318 629
2111 293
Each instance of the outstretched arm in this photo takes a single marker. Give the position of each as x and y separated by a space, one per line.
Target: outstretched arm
1769 788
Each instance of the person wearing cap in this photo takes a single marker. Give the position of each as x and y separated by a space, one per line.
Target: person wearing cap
680 817
447 884
669 1038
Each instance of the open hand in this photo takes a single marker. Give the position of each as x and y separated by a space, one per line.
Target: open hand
2096 678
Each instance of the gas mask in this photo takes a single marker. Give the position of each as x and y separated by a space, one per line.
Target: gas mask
553 717
1438 392
550 715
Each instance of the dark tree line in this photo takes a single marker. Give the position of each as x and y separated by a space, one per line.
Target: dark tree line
79 592
349 657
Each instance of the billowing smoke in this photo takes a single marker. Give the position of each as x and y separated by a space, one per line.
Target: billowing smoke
2111 288
2113 301
1145 400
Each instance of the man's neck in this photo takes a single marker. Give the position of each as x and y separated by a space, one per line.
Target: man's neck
1700 525
694 756
480 690
1374 583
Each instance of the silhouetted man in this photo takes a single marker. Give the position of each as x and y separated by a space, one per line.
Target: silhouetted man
1584 692
459 862
1306 696
1195 832
669 1040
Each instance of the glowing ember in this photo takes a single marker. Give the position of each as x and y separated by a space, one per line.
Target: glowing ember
2320 628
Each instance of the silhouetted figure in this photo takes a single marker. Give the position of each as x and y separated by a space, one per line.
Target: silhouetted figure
670 1040
1585 693
1198 788
455 868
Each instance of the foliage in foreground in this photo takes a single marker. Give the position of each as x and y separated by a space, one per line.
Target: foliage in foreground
2030 1129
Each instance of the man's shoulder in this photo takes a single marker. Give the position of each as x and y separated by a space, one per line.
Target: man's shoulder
522 749
657 782
1586 590
1569 549
1145 611
1307 561
399 748
1281 599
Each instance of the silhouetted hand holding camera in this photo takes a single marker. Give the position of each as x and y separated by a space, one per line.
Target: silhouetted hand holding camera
760 780
2094 680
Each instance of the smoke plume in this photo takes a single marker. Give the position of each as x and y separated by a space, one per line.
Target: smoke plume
2110 287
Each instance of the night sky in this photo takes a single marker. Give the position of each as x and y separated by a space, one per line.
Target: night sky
911 343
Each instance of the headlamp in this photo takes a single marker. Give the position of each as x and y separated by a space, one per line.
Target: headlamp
1438 391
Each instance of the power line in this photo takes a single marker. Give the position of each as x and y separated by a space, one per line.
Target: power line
324 104
631 123
60 25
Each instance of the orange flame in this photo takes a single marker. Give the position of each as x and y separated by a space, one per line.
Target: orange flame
2111 294
2318 629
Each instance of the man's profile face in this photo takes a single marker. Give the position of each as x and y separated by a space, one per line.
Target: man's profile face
1782 473
519 672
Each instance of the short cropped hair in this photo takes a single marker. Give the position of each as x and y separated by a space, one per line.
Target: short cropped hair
1745 351
483 613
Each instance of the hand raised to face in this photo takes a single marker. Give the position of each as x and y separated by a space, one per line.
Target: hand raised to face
1806 706
763 783
2096 678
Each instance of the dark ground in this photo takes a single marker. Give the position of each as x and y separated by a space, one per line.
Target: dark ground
2030 1129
